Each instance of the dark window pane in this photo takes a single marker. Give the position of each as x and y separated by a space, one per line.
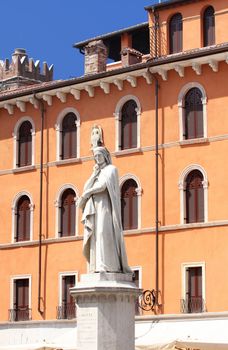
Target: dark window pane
23 219
67 283
194 299
129 205
69 136
25 144
209 26
129 125
175 34
21 299
67 309
68 213
194 197
193 114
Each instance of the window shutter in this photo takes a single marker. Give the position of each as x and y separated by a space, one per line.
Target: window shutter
129 125
70 282
23 219
68 212
22 293
193 114
194 197
190 205
69 136
25 144
195 282
200 204
209 26
27 221
175 34
64 220
129 205
72 210
199 120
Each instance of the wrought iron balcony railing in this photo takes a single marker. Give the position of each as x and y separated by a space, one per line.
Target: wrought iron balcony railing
20 314
192 305
66 311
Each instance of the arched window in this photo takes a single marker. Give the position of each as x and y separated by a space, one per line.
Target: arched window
175 34
194 197
129 205
69 136
23 219
129 125
67 213
209 26
25 144
193 114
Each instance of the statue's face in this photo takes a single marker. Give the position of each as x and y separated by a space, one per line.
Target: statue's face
95 133
99 158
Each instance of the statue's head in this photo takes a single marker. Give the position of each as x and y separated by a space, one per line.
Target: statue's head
96 136
101 154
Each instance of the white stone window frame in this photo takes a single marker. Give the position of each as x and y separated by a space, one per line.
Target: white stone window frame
184 267
139 269
58 201
182 189
14 218
12 288
58 128
181 105
139 192
15 142
117 115
64 274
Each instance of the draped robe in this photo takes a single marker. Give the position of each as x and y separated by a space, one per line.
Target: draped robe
103 244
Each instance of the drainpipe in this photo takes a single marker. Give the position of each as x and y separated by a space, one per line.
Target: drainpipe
156 194
42 110
156 21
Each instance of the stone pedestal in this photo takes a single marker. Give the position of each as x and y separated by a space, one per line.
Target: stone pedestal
105 311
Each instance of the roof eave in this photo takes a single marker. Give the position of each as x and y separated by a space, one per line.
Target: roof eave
81 44
150 63
167 4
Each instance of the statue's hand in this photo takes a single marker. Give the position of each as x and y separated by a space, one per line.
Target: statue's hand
81 202
96 170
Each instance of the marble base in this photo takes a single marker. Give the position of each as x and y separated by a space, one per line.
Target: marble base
105 311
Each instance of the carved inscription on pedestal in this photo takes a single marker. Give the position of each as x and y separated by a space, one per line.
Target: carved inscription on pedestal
87 328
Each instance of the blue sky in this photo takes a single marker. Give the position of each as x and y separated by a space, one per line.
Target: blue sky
47 29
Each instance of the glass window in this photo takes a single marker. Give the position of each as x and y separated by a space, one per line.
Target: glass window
69 136
25 144
21 310
193 301
129 205
209 26
68 213
67 309
193 114
175 34
194 197
129 125
23 219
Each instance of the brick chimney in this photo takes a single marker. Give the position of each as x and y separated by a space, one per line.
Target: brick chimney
95 57
22 71
130 56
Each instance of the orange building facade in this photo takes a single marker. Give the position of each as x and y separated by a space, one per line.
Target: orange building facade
162 105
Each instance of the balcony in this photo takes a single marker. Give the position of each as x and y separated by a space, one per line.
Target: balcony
20 314
192 305
66 311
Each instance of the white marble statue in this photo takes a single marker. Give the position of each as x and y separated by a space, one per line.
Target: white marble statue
96 138
103 244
